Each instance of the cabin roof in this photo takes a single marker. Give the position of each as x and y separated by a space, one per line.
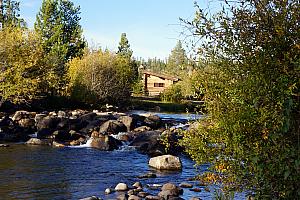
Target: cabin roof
165 76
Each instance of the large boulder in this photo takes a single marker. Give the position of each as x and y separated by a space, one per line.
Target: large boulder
112 127
22 115
104 142
88 117
170 191
153 121
47 123
148 143
127 121
166 162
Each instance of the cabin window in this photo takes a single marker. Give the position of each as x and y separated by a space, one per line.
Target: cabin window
159 85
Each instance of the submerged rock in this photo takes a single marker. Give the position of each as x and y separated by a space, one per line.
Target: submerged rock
166 162
91 198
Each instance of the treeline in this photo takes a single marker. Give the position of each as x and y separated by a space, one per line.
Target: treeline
53 59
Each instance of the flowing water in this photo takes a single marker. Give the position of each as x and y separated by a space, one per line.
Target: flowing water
42 172
38 172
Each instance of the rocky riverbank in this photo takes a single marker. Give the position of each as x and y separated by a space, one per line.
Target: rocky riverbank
102 130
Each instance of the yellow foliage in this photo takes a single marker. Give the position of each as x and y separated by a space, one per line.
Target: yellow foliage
20 54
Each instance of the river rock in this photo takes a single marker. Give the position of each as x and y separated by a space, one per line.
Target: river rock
143 194
88 117
36 141
148 175
127 121
27 123
166 162
170 190
134 197
186 185
61 135
148 143
122 197
153 121
112 127
61 114
22 115
47 123
78 142
121 187
108 191
105 143
151 197
91 198
137 185
56 144
142 129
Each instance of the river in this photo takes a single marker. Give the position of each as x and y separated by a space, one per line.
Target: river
42 172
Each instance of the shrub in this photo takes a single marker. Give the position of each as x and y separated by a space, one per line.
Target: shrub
172 93
100 77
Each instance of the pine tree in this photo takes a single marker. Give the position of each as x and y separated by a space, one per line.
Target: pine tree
177 61
9 14
124 47
58 24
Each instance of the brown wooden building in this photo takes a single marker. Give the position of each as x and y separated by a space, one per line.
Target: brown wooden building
155 83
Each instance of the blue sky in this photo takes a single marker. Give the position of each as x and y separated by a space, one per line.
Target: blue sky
152 26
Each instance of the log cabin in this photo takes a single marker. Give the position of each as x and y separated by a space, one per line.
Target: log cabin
155 83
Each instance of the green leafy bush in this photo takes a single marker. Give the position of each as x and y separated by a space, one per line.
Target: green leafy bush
251 81
172 94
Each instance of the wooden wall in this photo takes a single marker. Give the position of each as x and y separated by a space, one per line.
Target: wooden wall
151 80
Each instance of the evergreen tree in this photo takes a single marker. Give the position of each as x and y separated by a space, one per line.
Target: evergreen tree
58 24
124 47
177 61
9 14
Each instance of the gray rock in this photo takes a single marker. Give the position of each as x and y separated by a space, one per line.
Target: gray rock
148 175
36 141
151 197
137 185
148 143
143 194
153 121
134 197
104 142
108 191
127 121
166 162
142 129
186 185
26 123
121 187
122 197
21 115
112 127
